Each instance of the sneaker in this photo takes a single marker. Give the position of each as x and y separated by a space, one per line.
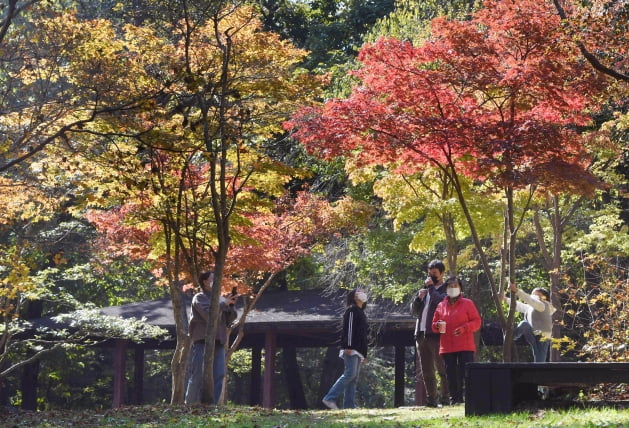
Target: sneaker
330 404
543 392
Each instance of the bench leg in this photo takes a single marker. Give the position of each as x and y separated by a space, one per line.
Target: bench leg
488 391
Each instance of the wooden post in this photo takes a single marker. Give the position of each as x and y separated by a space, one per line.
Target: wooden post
270 345
138 376
256 372
29 385
420 388
398 398
120 352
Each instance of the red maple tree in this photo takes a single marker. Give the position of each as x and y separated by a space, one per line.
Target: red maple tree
499 97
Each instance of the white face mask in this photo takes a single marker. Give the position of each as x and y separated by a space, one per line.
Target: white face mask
362 296
453 292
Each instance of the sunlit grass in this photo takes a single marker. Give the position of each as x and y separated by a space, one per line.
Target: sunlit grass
254 417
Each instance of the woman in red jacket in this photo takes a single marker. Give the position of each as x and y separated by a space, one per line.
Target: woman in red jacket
456 318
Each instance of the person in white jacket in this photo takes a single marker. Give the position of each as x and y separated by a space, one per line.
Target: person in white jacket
537 326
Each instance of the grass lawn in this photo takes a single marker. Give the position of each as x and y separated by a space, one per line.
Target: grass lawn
240 417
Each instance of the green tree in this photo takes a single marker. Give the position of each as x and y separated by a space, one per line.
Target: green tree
410 20
330 30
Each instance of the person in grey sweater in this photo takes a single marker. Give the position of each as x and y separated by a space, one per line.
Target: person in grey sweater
200 313
537 326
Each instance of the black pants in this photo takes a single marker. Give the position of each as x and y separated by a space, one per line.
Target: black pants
455 372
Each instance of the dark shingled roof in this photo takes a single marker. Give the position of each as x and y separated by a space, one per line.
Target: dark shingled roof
299 318
157 312
280 308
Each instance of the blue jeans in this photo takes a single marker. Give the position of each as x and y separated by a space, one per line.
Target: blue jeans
195 372
539 344
346 384
455 372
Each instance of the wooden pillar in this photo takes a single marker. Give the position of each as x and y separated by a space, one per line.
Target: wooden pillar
398 398
270 345
256 371
138 376
420 388
29 385
120 357
292 379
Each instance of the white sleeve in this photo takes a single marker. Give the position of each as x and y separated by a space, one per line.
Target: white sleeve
537 304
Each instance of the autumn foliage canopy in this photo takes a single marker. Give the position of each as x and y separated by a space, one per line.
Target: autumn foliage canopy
500 96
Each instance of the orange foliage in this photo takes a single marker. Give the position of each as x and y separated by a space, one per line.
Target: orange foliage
500 96
267 242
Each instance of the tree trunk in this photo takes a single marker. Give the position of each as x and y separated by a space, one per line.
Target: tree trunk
30 371
178 366
509 248
552 258
495 292
452 246
179 362
247 305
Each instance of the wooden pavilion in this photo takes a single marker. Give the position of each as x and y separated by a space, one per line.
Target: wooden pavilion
305 318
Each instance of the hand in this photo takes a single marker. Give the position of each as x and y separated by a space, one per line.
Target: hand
422 293
428 282
232 299
458 331
513 288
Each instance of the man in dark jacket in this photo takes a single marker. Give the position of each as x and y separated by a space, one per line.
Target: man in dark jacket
423 307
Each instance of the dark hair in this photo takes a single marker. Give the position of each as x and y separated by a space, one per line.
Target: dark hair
454 280
543 291
437 264
203 276
349 297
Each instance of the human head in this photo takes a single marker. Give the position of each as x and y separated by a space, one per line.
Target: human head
541 293
205 280
356 297
435 270
454 288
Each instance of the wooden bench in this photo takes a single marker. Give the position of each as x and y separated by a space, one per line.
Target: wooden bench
498 387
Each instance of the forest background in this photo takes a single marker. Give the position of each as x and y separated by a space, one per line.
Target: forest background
143 142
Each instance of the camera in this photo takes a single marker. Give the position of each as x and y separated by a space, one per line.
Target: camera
234 293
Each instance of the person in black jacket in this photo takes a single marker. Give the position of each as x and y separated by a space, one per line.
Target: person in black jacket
353 351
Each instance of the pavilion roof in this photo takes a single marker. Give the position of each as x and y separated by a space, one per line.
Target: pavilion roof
282 309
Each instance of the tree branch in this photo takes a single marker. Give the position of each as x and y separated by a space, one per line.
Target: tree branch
590 57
